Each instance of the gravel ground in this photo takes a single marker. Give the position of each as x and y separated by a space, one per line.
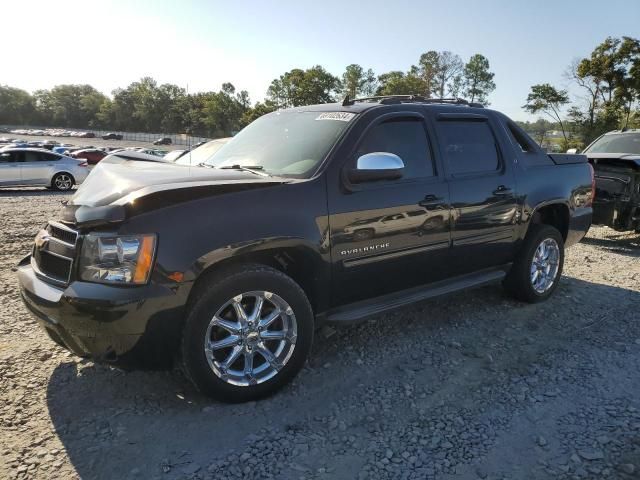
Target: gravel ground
474 386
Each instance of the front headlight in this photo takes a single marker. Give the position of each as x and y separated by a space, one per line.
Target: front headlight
122 259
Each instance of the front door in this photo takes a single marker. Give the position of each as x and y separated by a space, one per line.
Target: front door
390 235
482 188
9 169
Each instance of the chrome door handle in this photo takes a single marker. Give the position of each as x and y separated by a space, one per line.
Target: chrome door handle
502 191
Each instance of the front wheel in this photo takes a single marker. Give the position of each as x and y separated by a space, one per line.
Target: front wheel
248 334
537 269
62 182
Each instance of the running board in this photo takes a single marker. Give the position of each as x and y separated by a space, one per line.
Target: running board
367 308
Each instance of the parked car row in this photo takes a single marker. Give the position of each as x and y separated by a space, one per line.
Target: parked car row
52 132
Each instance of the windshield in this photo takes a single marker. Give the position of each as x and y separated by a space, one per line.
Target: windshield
202 153
284 143
616 143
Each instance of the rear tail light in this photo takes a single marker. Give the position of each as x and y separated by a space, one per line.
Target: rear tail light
83 164
593 185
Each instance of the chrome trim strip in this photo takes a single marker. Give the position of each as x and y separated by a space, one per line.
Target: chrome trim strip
395 254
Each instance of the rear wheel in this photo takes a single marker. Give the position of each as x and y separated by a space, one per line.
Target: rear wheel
247 335
62 182
537 269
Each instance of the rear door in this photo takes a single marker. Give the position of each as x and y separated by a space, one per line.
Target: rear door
484 206
390 235
38 167
9 169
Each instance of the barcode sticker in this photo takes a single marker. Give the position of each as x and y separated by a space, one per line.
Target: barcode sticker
340 116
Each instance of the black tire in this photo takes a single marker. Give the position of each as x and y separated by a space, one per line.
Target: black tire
60 186
519 282
212 296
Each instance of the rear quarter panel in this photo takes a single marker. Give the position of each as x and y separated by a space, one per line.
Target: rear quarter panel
569 185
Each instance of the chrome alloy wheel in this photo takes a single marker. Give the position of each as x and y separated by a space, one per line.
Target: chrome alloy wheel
250 338
544 267
63 182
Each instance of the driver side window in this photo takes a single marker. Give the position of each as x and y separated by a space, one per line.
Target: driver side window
405 137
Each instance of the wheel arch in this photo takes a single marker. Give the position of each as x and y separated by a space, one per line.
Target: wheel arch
554 213
301 263
55 174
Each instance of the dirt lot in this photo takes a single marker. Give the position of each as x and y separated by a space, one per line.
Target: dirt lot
474 386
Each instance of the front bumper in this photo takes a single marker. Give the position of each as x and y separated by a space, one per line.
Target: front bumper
126 325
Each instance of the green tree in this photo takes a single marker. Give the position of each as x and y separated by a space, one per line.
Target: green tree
609 77
303 87
427 70
477 82
69 105
16 106
448 73
258 110
399 83
356 82
547 99
222 112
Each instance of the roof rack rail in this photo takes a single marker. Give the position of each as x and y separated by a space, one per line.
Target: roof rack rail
391 99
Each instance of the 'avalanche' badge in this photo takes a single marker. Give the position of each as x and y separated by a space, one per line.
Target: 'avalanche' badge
340 116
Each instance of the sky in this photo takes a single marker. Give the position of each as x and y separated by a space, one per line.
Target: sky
201 44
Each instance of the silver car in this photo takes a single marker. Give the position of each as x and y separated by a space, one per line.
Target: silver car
39 167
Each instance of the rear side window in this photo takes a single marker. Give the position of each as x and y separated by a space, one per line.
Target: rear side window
50 157
468 146
529 153
405 137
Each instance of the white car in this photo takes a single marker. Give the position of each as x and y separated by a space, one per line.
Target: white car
39 167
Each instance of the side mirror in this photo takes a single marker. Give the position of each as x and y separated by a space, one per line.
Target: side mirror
377 166
572 151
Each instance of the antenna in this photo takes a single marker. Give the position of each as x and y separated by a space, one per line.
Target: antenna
347 101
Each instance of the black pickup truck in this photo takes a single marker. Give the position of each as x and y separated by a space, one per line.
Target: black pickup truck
326 213
615 156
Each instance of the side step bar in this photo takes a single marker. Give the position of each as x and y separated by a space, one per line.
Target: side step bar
367 308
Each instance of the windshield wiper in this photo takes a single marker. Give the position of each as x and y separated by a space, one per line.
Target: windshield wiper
252 169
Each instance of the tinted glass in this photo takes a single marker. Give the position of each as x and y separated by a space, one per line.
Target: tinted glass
468 146
32 156
202 153
290 143
49 157
406 138
617 143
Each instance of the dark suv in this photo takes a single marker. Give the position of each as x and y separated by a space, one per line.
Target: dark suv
232 265
112 136
163 141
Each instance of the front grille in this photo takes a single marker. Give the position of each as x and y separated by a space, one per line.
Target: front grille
54 267
54 253
67 236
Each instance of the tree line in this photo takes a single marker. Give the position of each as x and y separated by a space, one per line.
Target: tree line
608 86
146 106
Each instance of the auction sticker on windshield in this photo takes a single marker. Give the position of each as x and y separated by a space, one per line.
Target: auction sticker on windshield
341 116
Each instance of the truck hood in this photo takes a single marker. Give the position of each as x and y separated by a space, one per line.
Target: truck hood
118 188
633 159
